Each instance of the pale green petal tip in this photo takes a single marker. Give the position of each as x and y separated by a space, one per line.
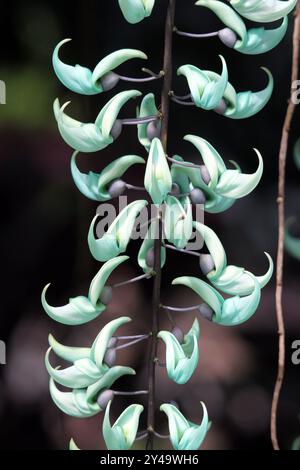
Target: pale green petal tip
134 11
263 11
72 445
158 179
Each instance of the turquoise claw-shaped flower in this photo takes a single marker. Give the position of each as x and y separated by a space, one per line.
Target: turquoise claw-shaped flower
88 376
96 136
135 11
236 36
148 131
116 238
96 186
82 80
221 187
181 359
263 11
146 251
185 435
121 435
207 88
227 312
178 220
232 280
82 309
292 244
158 180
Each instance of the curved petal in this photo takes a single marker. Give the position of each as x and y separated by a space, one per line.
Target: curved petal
263 11
178 221
178 424
148 244
195 435
68 353
292 244
72 445
135 11
106 381
113 60
147 108
215 249
158 180
122 434
86 183
261 40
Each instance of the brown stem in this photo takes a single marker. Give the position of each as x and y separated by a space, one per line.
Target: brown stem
165 103
281 222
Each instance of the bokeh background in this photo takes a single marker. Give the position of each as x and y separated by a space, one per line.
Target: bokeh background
45 222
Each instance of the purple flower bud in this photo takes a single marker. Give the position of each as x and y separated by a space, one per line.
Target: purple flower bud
104 398
106 295
205 174
174 403
175 189
197 196
112 342
116 129
117 188
221 108
206 312
153 130
109 81
110 357
177 332
228 37
150 258
206 264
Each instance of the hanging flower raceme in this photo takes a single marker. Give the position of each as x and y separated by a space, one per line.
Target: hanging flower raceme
228 312
263 11
292 244
212 184
82 309
182 354
121 435
158 180
135 11
210 90
107 184
185 435
96 136
146 251
86 82
92 373
236 35
233 280
178 220
118 235
148 131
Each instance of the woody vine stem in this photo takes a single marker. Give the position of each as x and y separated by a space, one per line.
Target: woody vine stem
165 108
281 225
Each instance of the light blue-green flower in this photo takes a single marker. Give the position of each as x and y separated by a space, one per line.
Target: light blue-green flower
207 88
233 280
158 180
96 136
223 186
82 309
116 238
181 359
228 312
185 435
95 186
292 244
147 131
88 375
263 11
296 444
73 445
135 11
253 41
146 251
178 220
121 435
86 82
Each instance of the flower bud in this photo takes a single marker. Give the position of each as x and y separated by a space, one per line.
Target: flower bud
116 129
150 258
206 264
221 108
175 190
206 312
104 398
109 81
197 196
106 295
110 357
177 332
205 174
112 342
153 130
228 37
117 188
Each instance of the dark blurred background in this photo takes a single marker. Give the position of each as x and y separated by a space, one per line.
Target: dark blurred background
45 222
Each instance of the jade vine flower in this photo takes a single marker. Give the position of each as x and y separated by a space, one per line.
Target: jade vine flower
89 374
135 11
121 435
146 251
206 87
263 11
82 309
178 220
117 237
95 186
147 131
292 244
228 312
158 179
233 280
221 186
96 136
184 434
182 359
253 41
86 82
